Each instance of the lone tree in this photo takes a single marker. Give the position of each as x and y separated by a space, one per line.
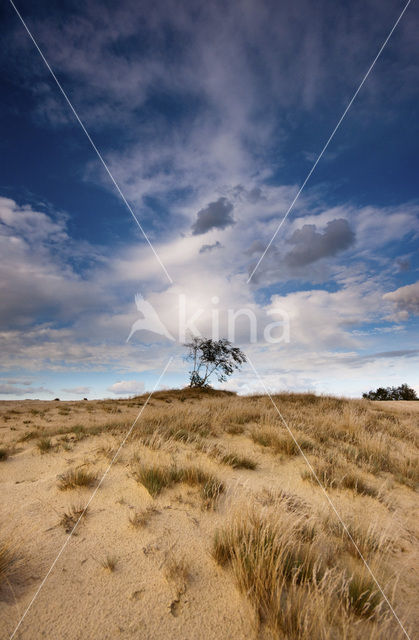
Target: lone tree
403 392
209 357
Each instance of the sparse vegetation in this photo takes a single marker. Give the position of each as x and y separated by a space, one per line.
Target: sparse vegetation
74 478
177 571
72 515
272 437
273 534
9 561
237 461
332 475
44 445
109 563
139 519
298 590
155 478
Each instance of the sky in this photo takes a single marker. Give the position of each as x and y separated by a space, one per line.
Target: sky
209 116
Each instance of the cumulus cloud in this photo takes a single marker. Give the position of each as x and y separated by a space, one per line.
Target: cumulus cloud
405 299
127 387
217 215
311 245
210 247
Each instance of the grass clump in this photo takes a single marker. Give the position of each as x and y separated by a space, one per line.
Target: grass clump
262 555
270 437
334 476
74 478
298 593
234 429
363 595
155 478
44 445
211 491
177 570
70 517
109 563
237 461
9 561
138 519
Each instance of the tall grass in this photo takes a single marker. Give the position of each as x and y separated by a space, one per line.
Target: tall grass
296 591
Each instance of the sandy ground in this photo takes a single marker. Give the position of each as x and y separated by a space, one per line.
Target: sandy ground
82 600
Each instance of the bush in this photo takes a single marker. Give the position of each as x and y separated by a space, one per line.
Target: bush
403 392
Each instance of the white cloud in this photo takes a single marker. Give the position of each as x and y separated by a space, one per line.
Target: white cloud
405 300
89 317
127 387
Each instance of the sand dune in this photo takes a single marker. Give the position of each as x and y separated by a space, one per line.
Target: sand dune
146 560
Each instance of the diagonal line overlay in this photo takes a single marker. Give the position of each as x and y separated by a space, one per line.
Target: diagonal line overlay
329 140
329 500
99 155
90 499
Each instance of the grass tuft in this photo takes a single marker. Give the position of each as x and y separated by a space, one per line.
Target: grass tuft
74 478
237 461
72 516
363 595
177 571
9 561
138 519
44 445
109 563
335 476
155 478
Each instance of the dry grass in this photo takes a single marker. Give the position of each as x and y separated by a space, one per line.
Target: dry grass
227 457
138 519
177 571
72 515
109 563
297 589
74 478
44 445
157 477
237 461
10 561
287 554
281 442
333 475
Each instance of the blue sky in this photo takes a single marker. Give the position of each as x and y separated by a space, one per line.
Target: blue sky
209 118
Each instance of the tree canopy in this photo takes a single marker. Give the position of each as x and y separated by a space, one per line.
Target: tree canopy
403 392
212 357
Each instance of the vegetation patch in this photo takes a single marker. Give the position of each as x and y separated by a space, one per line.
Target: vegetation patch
334 476
73 514
44 445
74 478
9 561
156 477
